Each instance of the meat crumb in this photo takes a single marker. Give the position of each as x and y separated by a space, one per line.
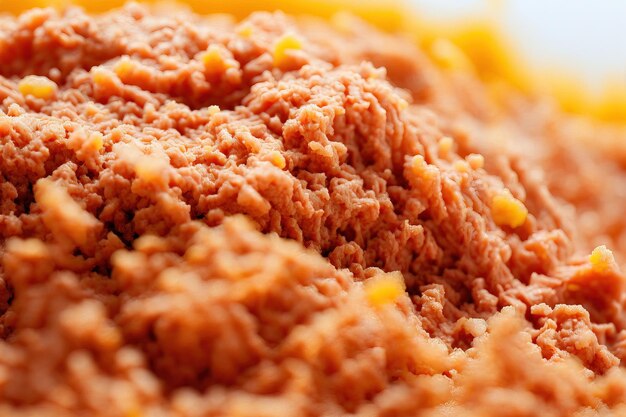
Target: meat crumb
508 210
279 216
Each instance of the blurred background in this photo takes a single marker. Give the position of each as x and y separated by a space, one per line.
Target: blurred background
571 47
586 37
574 50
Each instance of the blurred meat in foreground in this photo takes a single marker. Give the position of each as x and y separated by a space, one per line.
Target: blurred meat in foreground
284 216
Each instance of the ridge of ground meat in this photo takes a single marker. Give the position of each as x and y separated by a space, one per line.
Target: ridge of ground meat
133 285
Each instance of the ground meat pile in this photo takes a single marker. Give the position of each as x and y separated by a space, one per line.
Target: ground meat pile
287 217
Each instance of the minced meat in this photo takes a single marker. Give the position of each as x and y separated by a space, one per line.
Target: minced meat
286 217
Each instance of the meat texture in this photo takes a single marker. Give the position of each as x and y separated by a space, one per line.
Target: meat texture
289 217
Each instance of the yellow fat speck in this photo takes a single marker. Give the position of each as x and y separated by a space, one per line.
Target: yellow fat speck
213 59
508 210
284 44
278 159
123 67
99 77
36 86
601 258
384 289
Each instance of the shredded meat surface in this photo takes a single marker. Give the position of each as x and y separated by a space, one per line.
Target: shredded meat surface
286 217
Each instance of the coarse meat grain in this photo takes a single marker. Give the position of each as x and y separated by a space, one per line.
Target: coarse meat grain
290 217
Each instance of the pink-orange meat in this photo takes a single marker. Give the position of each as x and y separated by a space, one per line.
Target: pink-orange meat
279 217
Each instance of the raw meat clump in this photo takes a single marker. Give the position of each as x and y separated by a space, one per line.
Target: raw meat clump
289 217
